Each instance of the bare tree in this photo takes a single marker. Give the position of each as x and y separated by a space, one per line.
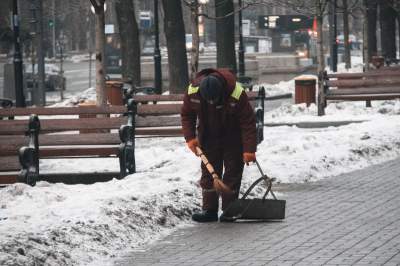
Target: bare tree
194 6
100 40
225 29
388 28
129 36
194 51
175 35
347 57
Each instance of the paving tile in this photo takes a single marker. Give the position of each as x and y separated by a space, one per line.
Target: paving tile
351 219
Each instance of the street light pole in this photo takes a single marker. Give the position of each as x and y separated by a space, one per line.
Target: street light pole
333 36
17 60
54 28
157 55
39 93
241 49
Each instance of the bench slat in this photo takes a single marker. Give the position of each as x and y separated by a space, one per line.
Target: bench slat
351 83
9 163
8 178
364 90
155 121
79 139
158 98
177 97
159 109
13 127
363 75
177 131
111 109
51 125
51 152
364 97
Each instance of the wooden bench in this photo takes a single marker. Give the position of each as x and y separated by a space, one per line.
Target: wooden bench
56 133
159 115
381 84
14 134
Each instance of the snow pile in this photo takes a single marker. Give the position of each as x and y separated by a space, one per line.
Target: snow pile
80 58
282 87
57 224
88 95
335 111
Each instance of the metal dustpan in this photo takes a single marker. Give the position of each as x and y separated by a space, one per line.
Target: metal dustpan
256 209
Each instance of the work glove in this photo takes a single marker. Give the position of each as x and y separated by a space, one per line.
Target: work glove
192 144
249 157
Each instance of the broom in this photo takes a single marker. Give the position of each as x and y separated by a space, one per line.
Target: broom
218 184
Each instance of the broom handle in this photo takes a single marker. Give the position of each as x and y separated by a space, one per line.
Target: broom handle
205 161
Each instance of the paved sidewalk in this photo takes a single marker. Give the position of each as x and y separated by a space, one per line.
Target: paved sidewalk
352 219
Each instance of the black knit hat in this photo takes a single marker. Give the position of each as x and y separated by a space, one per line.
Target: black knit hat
211 88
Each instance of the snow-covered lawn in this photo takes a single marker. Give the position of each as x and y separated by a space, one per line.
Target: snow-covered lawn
57 224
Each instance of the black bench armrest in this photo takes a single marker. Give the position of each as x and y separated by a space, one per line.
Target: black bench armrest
127 147
29 155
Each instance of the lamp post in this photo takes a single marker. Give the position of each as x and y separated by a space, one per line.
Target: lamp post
17 60
157 55
333 36
241 49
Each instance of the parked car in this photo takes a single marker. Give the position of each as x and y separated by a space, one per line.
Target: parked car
53 77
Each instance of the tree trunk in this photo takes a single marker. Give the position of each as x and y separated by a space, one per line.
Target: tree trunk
194 53
130 44
320 47
366 37
175 36
347 55
100 70
388 29
371 6
225 31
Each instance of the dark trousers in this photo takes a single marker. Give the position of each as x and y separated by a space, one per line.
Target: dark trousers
222 155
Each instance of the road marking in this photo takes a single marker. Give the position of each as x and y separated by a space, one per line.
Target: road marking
78 83
78 70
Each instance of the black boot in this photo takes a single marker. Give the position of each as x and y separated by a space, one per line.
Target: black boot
205 216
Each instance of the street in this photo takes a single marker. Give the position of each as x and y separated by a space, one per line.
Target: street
77 75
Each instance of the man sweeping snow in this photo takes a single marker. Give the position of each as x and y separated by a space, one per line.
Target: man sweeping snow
217 116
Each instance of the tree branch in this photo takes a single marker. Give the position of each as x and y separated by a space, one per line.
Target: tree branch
231 13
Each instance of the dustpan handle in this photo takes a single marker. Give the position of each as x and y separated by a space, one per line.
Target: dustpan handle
252 186
263 177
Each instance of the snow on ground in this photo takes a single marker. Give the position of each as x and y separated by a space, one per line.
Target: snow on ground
57 224
288 86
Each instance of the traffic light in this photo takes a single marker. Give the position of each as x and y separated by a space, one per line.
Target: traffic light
51 23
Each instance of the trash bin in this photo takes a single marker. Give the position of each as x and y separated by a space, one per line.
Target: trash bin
305 88
114 92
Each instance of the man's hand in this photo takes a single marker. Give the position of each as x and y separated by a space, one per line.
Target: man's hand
249 157
192 144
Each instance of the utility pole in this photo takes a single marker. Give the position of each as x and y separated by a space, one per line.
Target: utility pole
90 50
157 55
241 48
333 35
54 28
38 94
17 60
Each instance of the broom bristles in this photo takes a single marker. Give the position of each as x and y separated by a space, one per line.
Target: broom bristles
221 187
